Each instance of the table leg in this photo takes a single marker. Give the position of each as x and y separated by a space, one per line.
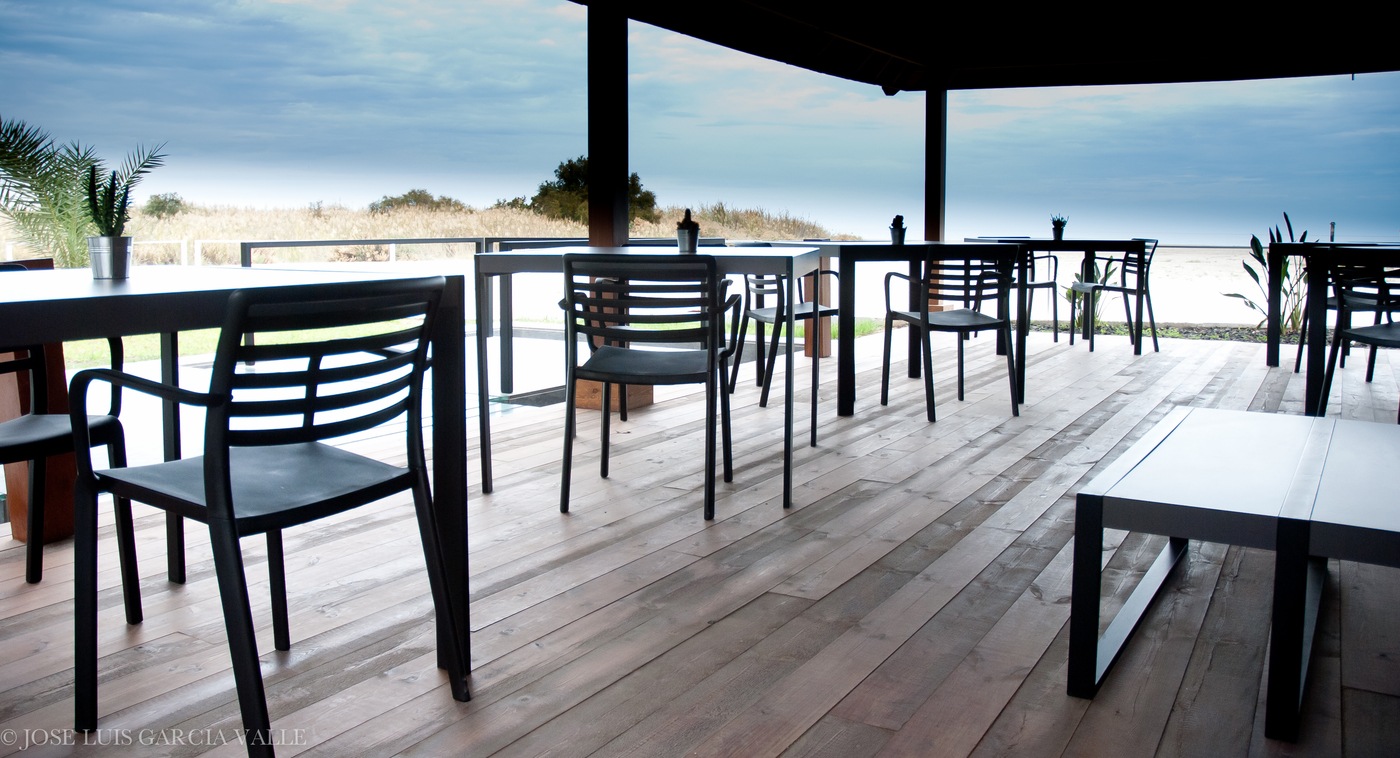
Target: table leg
1090 657
483 378
507 335
1088 273
1298 581
846 339
170 423
1315 397
1274 320
789 385
915 336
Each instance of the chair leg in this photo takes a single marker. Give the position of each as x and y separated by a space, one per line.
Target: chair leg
570 429
126 536
1302 338
885 369
455 658
607 428
1134 337
926 350
622 402
739 352
34 547
1011 371
709 512
961 337
243 645
84 607
1331 370
766 379
1371 365
277 578
1089 309
1151 322
1055 313
816 384
1073 314
727 437
760 340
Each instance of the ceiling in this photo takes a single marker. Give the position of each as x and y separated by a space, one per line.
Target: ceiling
880 42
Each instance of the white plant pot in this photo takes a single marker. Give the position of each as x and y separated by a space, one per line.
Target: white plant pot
110 257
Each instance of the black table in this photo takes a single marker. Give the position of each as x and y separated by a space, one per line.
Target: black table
791 262
1306 488
1090 249
68 304
1318 259
850 252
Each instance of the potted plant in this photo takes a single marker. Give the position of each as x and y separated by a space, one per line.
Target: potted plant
109 209
687 233
897 230
1057 226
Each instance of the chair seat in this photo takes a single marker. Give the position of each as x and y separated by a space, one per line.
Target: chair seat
961 319
47 434
272 487
1382 335
612 364
803 311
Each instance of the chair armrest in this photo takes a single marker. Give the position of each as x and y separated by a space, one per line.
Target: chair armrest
78 401
888 305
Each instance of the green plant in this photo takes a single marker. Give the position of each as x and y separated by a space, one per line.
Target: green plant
165 205
41 191
1294 280
109 202
1101 276
1058 220
567 196
417 198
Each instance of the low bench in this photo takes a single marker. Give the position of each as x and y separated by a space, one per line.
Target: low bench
1306 488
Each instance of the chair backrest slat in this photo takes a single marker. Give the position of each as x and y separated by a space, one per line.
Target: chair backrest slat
310 364
659 299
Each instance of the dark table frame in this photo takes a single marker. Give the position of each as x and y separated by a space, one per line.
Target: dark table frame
1317 492
788 262
1317 258
68 304
849 253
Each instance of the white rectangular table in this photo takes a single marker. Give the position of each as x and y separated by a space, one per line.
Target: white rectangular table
68 304
1307 488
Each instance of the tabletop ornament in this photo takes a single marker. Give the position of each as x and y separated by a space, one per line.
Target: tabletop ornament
1057 226
897 230
687 233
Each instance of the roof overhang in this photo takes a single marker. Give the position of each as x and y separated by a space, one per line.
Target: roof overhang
880 42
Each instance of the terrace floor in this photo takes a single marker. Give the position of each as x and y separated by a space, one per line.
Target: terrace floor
913 603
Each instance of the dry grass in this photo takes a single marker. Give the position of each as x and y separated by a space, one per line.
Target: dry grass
212 234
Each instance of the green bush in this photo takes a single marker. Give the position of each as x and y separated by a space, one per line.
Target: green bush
165 205
417 198
567 196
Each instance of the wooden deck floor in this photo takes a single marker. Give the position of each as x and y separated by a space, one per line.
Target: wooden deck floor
913 603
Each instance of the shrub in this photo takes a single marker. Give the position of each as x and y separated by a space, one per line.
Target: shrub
567 196
164 205
417 198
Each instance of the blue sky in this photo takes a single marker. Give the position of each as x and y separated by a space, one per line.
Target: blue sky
291 102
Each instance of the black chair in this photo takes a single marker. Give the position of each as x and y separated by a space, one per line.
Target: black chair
647 319
1042 273
1359 304
1377 293
967 284
328 361
1133 268
38 435
758 288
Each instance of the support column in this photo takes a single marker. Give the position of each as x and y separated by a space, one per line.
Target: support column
607 124
935 161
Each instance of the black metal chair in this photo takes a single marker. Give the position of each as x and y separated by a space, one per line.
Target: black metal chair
759 287
647 319
1378 293
1133 268
327 362
39 435
967 284
1042 273
1358 304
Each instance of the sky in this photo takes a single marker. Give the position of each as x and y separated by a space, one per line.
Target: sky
287 103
